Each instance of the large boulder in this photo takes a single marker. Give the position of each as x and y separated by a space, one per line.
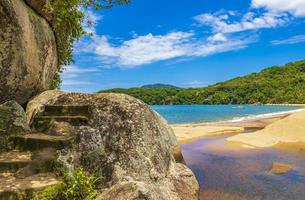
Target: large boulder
126 143
12 122
42 8
28 55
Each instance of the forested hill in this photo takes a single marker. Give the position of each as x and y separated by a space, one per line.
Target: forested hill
285 84
158 86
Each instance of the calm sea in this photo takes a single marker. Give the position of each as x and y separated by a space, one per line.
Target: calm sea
211 113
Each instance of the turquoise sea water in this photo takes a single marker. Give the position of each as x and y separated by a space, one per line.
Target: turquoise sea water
176 114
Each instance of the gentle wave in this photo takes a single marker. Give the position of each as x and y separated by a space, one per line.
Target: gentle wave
263 116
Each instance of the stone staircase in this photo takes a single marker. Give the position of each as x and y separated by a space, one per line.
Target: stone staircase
29 167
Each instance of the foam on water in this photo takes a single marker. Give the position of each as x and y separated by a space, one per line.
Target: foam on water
267 115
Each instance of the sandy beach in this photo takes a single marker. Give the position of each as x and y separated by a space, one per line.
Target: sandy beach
283 132
189 132
261 134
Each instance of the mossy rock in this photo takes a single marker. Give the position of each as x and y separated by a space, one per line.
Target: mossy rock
12 123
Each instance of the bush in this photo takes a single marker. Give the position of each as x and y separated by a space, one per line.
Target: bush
80 185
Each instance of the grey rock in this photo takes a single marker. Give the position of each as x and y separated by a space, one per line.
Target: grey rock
12 122
128 144
42 8
28 54
61 128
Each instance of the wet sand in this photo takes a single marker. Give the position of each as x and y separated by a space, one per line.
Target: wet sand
190 132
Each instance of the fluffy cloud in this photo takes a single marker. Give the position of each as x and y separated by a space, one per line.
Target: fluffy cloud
223 23
219 37
229 31
144 49
151 48
295 7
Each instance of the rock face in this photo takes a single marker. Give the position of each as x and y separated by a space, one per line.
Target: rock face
40 6
126 143
12 122
28 55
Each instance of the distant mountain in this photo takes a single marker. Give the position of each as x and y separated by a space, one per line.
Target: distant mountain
274 85
158 86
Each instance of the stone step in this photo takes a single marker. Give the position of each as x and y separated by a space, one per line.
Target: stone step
67 110
38 141
14 160
13 188
43 123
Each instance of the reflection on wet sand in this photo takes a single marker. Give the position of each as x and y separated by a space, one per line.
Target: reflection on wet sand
226 171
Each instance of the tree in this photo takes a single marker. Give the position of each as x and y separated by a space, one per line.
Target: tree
68 26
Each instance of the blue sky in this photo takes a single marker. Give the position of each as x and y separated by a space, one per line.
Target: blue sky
191 43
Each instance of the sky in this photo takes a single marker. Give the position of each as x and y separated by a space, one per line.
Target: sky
193 43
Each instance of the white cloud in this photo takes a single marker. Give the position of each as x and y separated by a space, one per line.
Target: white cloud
295 7
90 21
195 84
152 48
75 82
230 31
210 48
223 23
72 75
144 49
71 69
219 37
292 40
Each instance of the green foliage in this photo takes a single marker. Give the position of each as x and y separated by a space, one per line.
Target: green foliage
284 84
81 185
68 26
56 81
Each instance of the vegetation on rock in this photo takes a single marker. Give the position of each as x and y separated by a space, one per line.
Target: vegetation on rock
80 185
12 122
285 84
68 25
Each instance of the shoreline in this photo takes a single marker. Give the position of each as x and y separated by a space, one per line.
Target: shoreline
286 133
190 132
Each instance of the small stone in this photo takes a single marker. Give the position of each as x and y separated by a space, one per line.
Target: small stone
280 168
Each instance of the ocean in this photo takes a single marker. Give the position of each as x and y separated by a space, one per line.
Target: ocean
179 114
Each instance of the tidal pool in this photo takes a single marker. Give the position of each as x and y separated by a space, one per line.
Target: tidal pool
229 172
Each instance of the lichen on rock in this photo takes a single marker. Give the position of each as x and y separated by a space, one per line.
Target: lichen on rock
41 7
28 53
12 122
128 144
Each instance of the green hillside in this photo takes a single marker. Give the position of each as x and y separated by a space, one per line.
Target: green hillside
158 86
285 84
